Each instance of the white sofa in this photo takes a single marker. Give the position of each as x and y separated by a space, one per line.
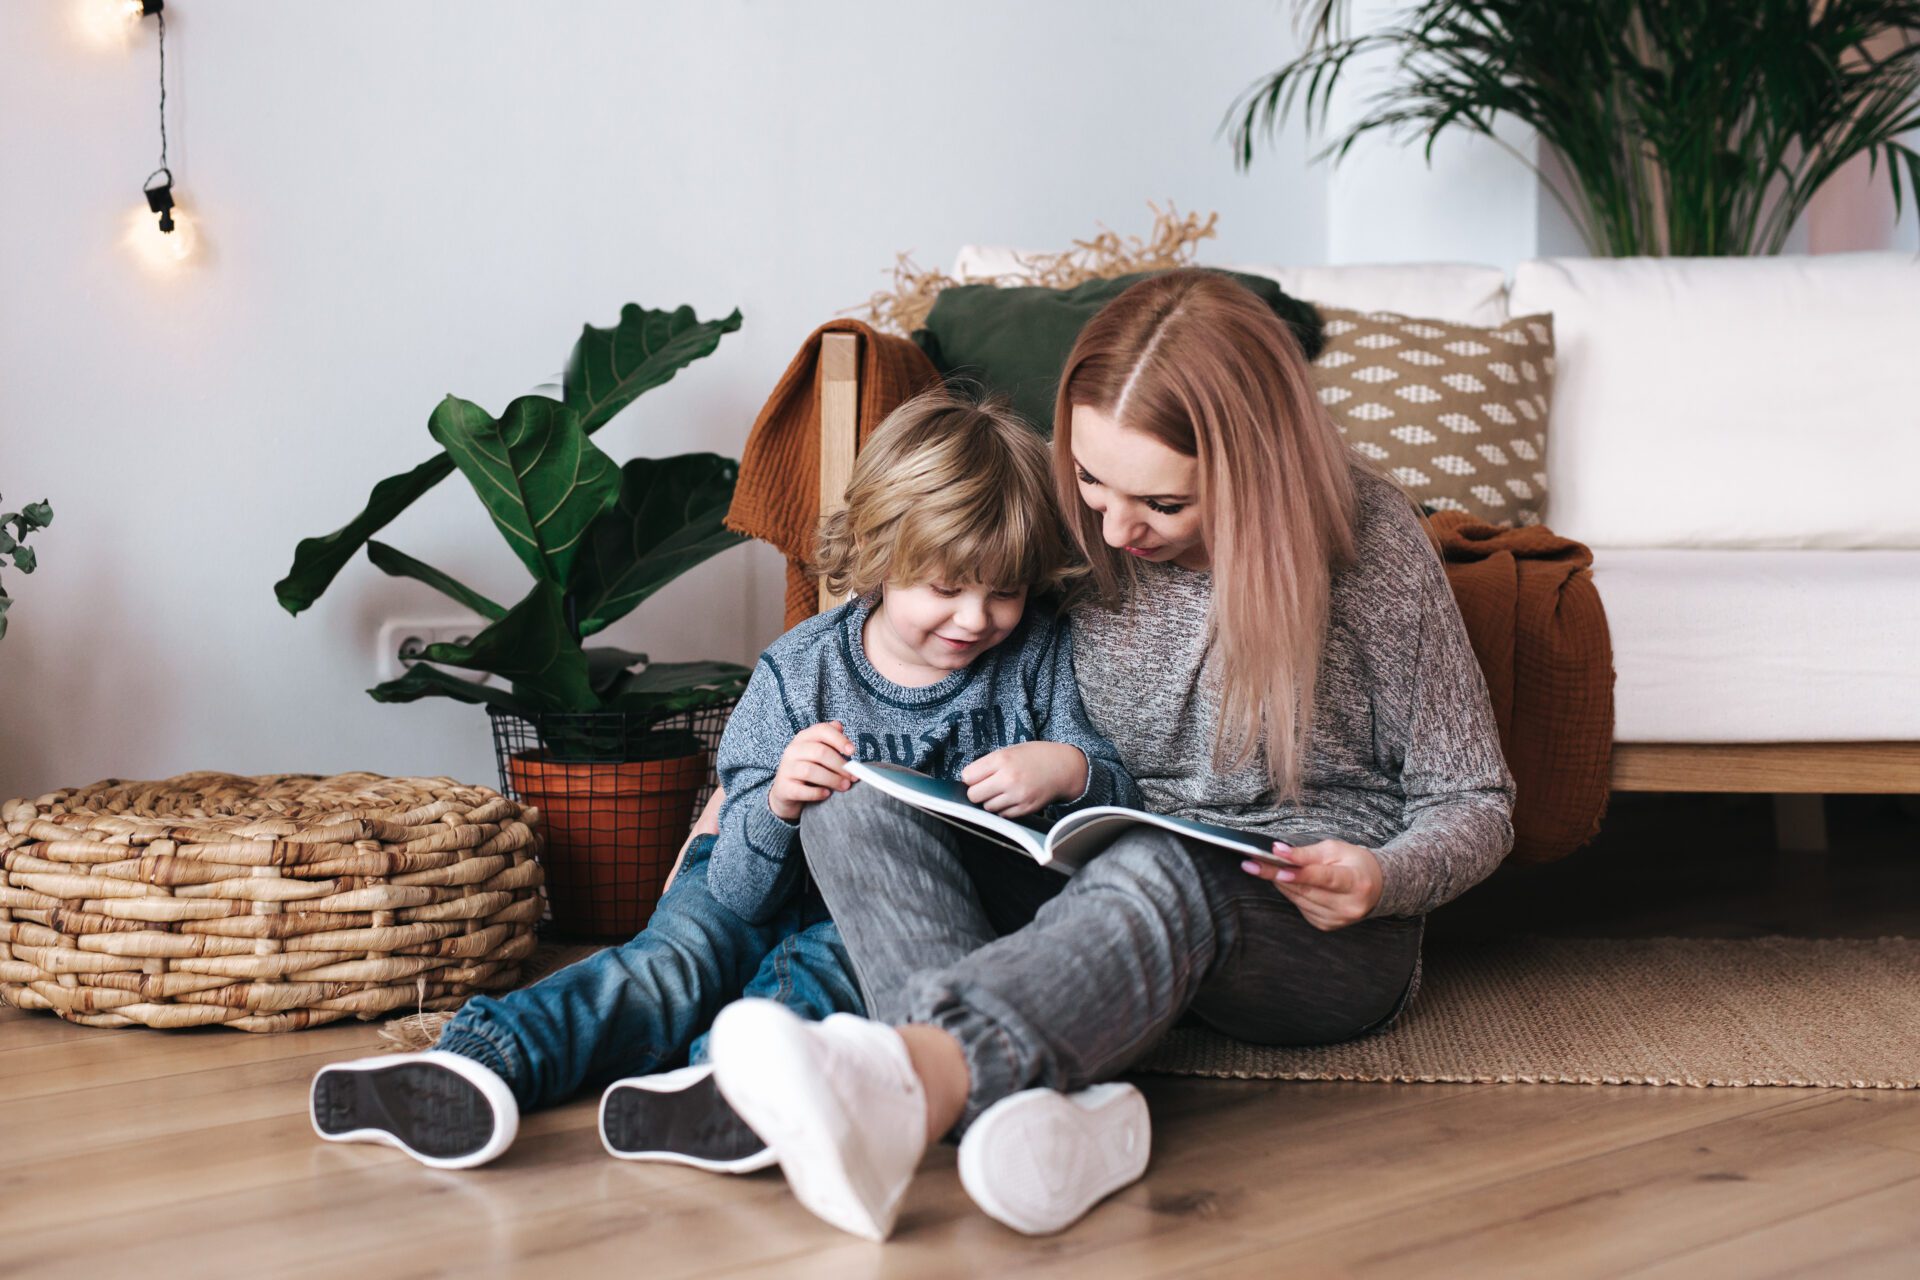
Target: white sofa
1738 440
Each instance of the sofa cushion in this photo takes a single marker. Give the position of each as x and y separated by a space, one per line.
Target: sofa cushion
1763 646
1015 339
1733 402
1452 291
1448 291
1455 414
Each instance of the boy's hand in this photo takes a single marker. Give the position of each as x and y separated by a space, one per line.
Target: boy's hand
811 768
1026 778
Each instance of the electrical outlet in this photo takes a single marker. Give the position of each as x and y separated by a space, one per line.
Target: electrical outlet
403 641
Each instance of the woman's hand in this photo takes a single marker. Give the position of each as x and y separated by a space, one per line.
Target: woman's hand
811 768
1335 884
1025 778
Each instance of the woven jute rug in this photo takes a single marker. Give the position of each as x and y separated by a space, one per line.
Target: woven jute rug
1833 1013
1676 1011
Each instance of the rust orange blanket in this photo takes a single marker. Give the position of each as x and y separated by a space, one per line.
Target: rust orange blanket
1536 624
777 498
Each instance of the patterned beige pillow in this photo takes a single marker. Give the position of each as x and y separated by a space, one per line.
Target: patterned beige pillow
1457 415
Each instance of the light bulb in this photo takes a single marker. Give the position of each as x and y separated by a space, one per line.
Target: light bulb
161 250
108 22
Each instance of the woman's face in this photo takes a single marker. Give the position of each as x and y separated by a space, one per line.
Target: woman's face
1146 494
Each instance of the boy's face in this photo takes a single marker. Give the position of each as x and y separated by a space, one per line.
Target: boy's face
938 628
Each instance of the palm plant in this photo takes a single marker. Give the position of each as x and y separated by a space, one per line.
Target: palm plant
1684 127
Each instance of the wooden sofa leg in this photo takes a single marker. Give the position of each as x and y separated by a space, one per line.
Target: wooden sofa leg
1800 823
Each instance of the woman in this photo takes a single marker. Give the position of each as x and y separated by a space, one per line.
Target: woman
1272 646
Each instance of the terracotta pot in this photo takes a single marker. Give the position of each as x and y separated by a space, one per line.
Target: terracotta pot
612 832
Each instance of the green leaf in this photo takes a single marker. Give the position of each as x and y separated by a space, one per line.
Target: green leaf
609 368
25 559
669 517
1657 149
316 561
606 371
667 687
609 668
398 564
540 477
5 601
6 541
423 681
533 648
38 515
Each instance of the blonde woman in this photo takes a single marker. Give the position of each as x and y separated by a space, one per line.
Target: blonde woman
1271 645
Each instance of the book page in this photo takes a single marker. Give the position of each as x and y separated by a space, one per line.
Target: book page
1079 836
948 800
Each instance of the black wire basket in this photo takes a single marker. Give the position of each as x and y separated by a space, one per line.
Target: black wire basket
617 794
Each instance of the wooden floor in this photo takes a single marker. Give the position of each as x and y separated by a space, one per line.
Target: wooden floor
159 1154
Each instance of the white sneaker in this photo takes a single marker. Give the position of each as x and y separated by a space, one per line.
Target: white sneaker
1038 1160
838 1101
679 1117
446 1111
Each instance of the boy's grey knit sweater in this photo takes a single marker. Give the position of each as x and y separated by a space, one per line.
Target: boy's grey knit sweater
1022 689
1404 759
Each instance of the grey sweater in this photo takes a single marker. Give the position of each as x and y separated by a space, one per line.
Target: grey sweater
1404 759
1020 690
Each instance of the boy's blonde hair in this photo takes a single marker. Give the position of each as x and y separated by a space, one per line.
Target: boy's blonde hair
951 490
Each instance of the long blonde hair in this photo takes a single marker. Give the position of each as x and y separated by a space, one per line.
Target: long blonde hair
1202 365
948 489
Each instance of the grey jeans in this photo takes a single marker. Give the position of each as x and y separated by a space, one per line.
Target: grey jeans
1050 981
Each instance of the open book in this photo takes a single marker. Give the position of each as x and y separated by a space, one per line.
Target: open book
1065 845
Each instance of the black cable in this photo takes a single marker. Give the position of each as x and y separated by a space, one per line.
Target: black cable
162 16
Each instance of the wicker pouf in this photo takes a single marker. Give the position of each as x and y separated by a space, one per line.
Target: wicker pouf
265 904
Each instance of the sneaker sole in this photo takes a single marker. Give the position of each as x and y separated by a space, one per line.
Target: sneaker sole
693 1126
783 1106
433 1111
1038 1161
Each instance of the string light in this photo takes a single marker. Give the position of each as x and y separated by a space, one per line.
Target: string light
110 22
161 250
171 239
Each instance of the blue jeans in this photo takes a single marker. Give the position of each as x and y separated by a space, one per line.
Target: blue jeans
646 1006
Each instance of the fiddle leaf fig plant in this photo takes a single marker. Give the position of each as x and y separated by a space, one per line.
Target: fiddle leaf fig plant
597 538
608 370
15 526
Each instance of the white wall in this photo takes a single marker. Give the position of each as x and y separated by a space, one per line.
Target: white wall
400 200
1473 202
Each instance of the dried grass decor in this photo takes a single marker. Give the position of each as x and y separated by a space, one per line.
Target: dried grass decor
263 903
1173 242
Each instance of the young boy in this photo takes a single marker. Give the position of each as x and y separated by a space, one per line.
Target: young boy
936 663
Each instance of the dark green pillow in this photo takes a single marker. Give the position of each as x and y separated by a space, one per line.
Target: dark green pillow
1014 341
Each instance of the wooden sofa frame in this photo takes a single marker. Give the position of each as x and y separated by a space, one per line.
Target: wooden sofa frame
1782 768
